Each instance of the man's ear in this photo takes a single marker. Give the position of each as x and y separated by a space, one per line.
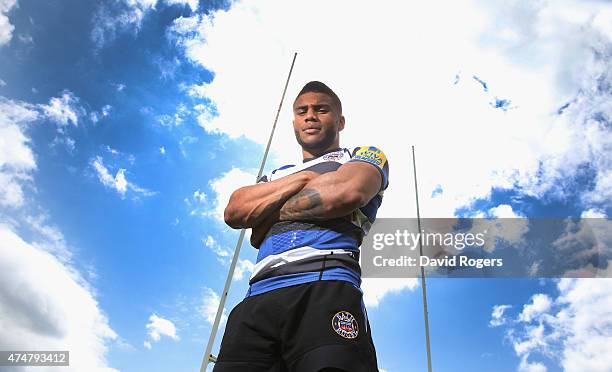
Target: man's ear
341 123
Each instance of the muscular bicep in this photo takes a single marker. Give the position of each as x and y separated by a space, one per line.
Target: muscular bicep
361 177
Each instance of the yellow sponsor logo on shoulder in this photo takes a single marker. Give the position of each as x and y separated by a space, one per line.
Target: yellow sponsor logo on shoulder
372 155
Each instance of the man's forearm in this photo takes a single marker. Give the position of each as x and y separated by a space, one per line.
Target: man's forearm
305 205
250 205
325 197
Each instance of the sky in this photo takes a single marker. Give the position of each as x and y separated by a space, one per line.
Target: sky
126 124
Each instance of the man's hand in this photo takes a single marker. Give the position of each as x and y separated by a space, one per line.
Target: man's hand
250 205
260 231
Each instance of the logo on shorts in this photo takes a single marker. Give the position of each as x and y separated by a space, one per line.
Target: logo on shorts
345 324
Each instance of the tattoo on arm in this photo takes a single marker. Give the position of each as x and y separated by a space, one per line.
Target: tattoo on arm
305 205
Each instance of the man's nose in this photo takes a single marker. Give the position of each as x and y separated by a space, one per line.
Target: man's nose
311 115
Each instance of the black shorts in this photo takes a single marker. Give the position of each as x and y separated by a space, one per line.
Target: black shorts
303 328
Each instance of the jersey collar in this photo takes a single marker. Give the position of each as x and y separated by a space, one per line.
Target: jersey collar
315 157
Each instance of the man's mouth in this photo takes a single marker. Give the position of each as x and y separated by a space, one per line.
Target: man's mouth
312 130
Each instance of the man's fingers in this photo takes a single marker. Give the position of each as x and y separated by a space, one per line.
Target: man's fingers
259 232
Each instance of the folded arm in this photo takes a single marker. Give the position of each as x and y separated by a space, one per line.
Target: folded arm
250 205
333 194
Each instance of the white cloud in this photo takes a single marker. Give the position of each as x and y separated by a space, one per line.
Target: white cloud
119 16
46 305
224 256
105 111
375 289
118 183
94 117
186 140
116 17
2 83
150 4
593 213
6 28
176 119
158 327
573 330
526 366
162 150
540 304
25 39
111 150
210 305
51 239
16 158
588 323
64 109
200 196
243 267
497 316
540 57
221 253
193 4
534 339
503 211
198 203
67 142
59 311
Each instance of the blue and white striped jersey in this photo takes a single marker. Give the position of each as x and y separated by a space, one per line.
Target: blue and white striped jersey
297 252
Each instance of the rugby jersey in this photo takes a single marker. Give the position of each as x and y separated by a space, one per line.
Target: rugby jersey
297 252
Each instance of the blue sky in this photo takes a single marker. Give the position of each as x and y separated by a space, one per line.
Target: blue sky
126 124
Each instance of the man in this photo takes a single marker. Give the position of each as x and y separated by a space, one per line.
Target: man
304 310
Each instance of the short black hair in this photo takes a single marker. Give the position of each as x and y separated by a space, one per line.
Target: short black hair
318 87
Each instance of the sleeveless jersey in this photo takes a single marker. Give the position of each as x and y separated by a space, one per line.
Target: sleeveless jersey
297 252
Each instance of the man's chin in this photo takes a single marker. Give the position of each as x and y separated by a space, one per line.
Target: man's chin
313 146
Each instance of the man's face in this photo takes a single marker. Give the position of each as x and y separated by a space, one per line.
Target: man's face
316 121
